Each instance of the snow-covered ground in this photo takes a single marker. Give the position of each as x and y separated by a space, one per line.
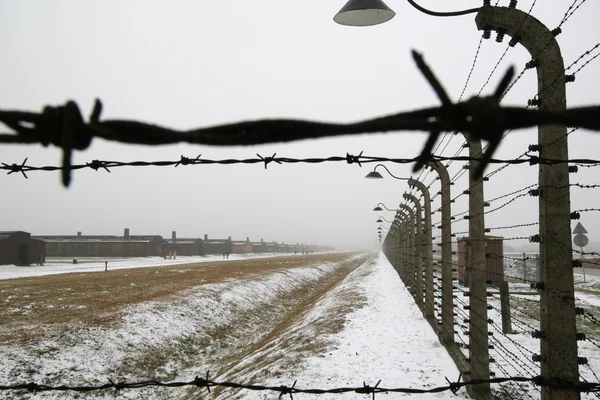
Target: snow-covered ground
250 331
387 339
64 266
384 338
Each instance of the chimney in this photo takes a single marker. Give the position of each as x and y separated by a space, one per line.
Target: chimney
247 239
79 233
229 238
174 235
126 233
261 240
205 237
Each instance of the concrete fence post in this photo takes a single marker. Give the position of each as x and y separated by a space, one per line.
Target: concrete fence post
417 270
505 308
559 358
447 265
427 234
412 253
406 250
479 357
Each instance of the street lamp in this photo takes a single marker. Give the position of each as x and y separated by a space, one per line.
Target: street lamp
381 219
377 208
364 13
374 12
376 175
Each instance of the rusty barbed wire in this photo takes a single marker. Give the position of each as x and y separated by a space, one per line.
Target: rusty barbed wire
482 117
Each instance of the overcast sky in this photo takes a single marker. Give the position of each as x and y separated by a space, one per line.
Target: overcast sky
187 64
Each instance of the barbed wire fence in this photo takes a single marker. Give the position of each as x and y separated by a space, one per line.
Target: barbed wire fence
522 270
483 117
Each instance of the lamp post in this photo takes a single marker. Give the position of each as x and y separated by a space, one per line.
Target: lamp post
375 12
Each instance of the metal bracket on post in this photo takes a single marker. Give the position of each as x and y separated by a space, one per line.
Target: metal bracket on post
557 304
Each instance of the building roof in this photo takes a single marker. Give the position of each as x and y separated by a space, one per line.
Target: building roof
89 240
98 238
8 234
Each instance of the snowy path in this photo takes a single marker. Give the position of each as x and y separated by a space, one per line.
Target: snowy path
388 339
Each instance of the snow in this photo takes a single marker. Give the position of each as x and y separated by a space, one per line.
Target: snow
388 339
383 337
64 266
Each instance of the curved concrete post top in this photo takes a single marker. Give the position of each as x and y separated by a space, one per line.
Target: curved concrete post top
441 170
539 41
417 204
408 210
421 187
412 198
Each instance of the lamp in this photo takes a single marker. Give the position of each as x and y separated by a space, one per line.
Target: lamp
377 208
376 175
381 219
374 12
364 13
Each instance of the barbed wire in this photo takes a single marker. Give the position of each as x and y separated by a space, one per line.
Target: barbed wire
570 13
529 65
508 47
469 75
201 382
514 226
585 54
482 117
350 159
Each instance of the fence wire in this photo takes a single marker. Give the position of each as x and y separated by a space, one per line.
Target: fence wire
483 117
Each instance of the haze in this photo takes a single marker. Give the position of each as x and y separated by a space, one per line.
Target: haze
186 64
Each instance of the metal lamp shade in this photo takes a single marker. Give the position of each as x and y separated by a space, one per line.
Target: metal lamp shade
378 209
364 13
373 175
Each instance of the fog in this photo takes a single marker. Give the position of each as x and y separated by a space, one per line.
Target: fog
187 64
